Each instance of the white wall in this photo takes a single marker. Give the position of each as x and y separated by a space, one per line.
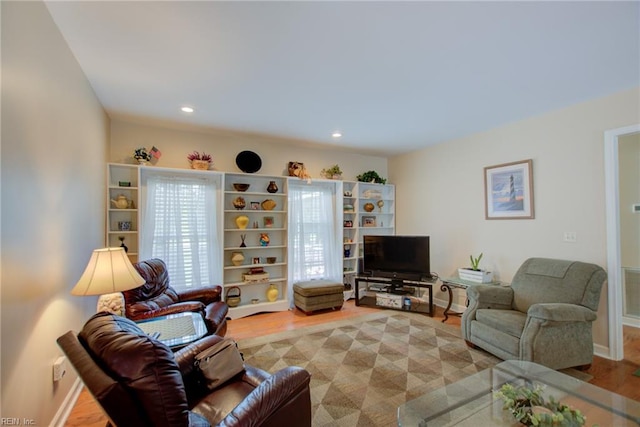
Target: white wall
440 191
176 141
54 142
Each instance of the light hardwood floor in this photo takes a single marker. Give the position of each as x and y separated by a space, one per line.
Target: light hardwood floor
614 376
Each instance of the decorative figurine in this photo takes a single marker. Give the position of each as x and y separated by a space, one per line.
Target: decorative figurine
122 245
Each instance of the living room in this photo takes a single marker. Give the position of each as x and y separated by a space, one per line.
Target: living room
57 139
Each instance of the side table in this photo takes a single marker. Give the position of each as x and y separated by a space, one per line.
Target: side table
175 330
450 283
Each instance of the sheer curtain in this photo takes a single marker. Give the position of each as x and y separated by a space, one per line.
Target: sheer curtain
315 250
179 227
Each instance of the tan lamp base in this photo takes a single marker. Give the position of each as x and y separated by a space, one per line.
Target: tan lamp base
111 303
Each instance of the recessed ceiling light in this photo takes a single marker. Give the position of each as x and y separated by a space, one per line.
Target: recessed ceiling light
336 134
187 109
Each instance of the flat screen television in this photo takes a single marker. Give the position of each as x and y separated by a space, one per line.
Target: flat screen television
397 257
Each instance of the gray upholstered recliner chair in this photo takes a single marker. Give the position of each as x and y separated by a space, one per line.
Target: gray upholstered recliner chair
545 316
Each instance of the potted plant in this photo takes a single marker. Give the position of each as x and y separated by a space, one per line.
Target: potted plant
371 176
141 155
475 273
528 406
199 161
333 172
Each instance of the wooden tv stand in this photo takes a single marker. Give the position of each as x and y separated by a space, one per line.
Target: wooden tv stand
394 294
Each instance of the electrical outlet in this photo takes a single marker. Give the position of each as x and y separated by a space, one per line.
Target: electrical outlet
570 236
59 368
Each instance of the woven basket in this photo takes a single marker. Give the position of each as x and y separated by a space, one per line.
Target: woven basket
232 297
202 165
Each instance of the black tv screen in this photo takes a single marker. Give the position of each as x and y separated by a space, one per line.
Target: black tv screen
398 257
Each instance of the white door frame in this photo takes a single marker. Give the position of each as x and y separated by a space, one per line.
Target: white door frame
612 200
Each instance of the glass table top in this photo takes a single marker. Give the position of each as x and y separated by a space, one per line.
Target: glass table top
471 401
175 330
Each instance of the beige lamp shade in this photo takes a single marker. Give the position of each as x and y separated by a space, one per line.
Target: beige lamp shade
109 270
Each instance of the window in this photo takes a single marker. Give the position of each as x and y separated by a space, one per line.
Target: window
179 227
314 249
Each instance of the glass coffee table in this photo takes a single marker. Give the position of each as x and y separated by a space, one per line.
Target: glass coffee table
470 401
175 330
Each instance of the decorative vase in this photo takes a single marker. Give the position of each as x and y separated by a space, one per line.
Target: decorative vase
264 239
237 258
242 221
272 187
239 203
272 293
368 207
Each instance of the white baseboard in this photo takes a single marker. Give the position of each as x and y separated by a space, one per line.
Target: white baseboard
631 321
602 351
60 419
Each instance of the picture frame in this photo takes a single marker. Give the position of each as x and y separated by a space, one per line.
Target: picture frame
268 221
508 190
255 260
368 221
255 206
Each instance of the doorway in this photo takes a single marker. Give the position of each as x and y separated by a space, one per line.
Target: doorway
614 252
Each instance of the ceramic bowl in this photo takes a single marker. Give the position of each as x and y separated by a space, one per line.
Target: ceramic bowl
268 204
239 186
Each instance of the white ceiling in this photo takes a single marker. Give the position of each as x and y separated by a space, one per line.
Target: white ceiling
392 76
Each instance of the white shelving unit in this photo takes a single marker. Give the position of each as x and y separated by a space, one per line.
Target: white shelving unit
350 222
272 258
123 180
358 197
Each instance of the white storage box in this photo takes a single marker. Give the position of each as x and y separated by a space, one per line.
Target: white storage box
478 276
389 300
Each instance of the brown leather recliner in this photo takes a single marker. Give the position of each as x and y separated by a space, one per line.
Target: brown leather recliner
140 382
157 298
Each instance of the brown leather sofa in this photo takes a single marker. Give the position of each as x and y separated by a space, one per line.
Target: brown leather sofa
139 382
157 298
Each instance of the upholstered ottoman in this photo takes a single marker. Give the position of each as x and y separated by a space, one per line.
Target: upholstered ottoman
317 295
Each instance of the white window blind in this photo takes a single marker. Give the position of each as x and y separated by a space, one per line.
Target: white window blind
180 228
314 249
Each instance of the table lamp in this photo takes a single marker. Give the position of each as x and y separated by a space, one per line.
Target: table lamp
108 273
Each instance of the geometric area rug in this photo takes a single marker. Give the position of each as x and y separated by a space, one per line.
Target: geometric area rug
363 368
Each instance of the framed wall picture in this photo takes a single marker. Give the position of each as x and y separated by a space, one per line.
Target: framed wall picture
508 190
268 221
368 221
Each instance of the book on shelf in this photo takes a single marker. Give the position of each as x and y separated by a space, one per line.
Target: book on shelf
256 277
